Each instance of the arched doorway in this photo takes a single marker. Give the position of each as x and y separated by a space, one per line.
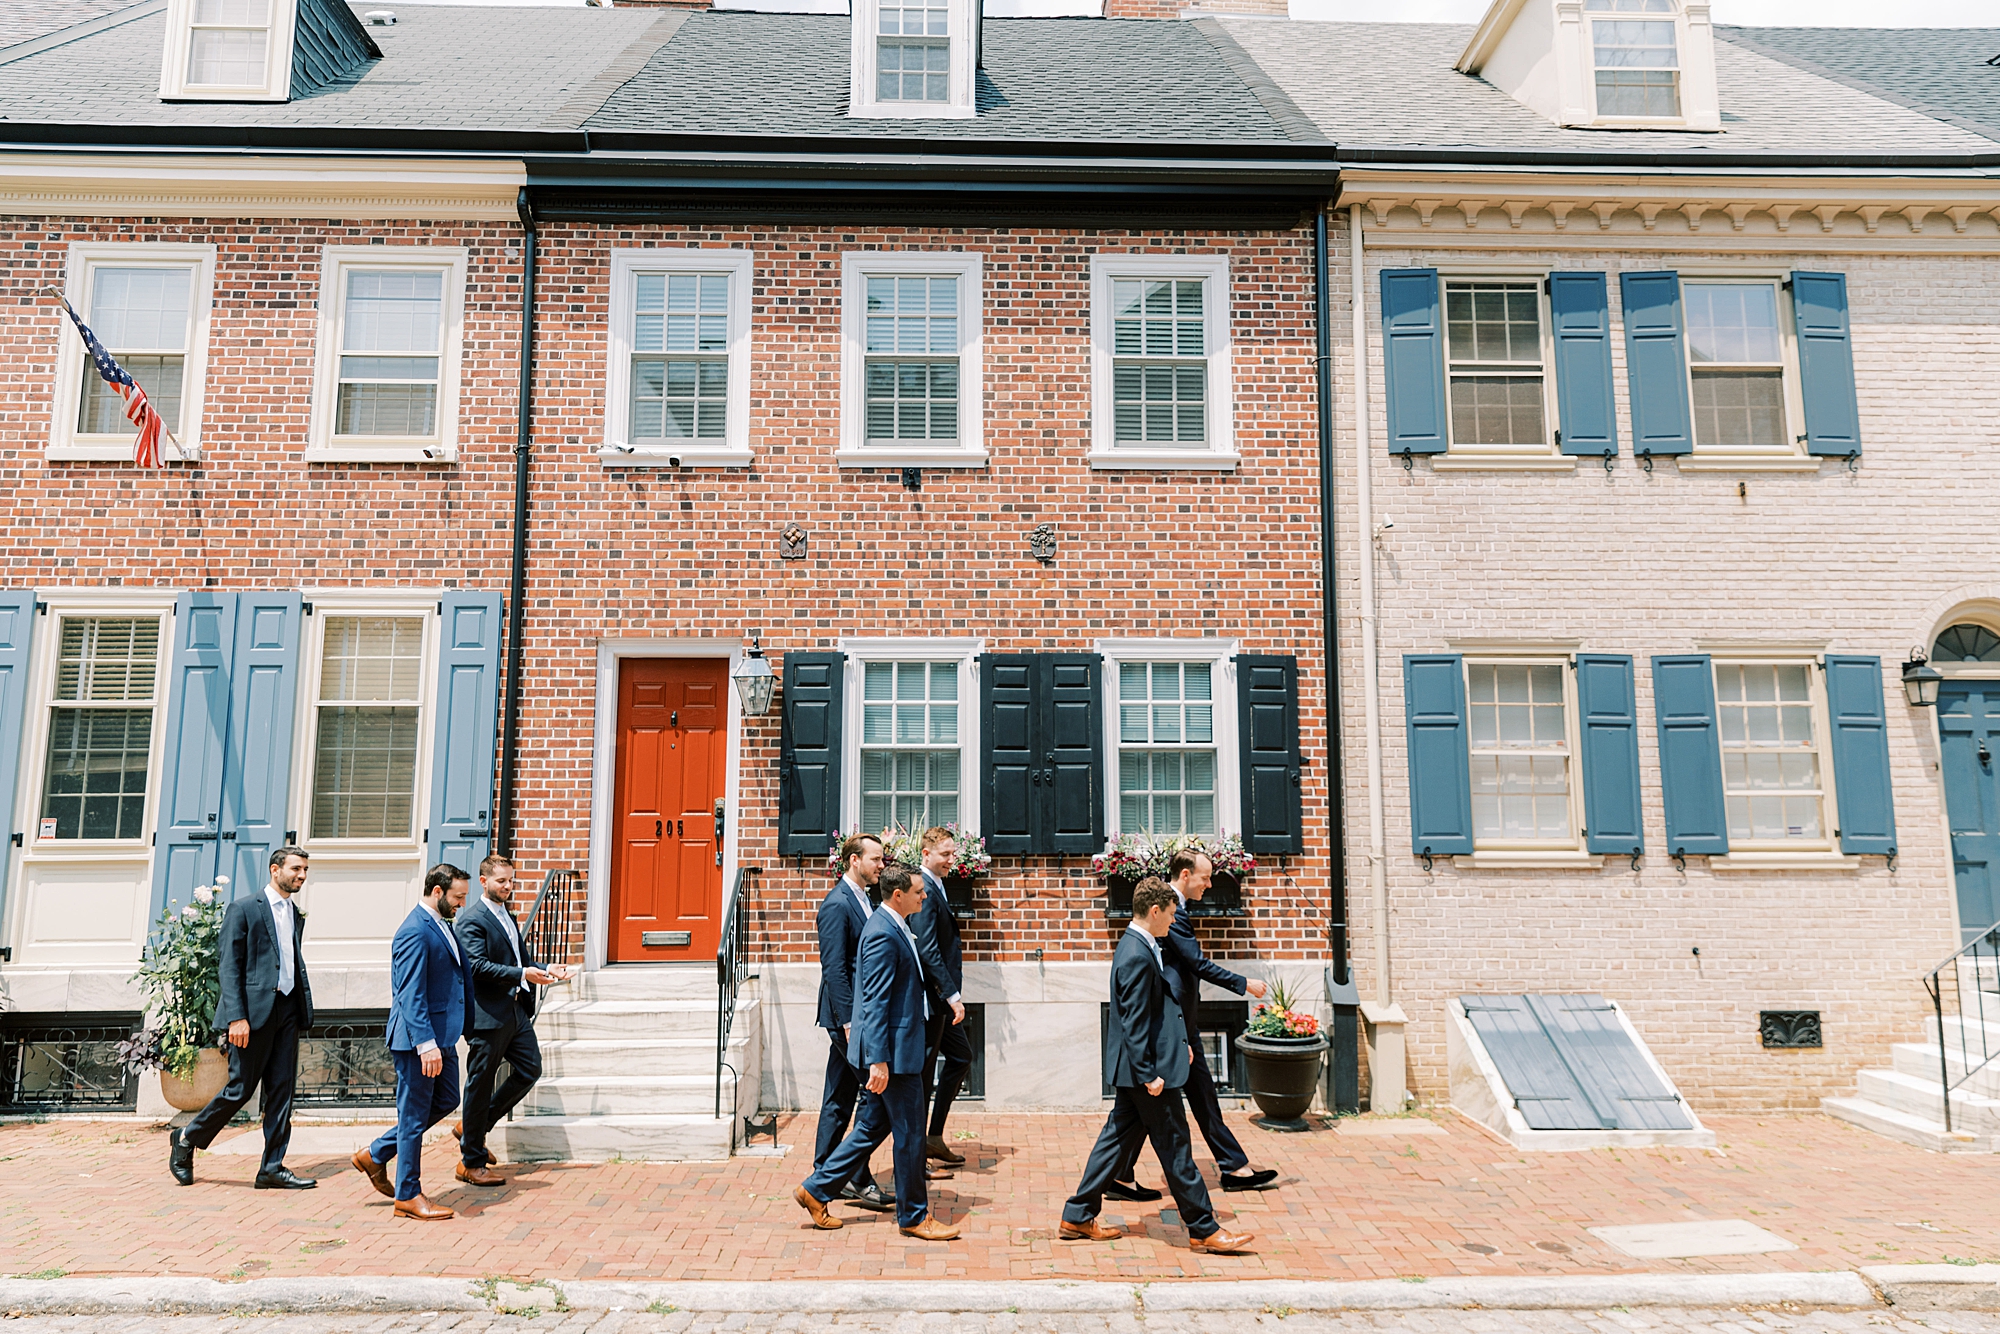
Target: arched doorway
1968 716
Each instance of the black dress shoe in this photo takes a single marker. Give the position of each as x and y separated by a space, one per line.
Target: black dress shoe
1249 1180
1135 1192
283 1178
868 1197
180 1159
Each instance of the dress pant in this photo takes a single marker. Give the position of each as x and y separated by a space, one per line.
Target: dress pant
1137 1116
897 1111
272 1059
836 1106
948 1040
1206 1106
421 1102
485 1049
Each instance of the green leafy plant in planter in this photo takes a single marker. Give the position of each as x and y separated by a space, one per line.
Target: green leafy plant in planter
1130 858
181 978
1280 1017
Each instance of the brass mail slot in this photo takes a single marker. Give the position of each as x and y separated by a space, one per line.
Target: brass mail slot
652 938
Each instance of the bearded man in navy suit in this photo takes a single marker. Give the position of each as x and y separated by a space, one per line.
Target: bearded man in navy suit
843 914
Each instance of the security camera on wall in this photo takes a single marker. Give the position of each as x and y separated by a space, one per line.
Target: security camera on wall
673 460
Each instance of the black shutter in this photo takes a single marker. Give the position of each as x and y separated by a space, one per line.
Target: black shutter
809 754
1072 742
1009 781
1267 736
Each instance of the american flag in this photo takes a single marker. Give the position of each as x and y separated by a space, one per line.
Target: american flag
139 409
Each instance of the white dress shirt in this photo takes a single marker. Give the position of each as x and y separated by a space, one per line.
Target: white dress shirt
281 921
426 1048
1152 943
922 991
507 923
860 895
939 903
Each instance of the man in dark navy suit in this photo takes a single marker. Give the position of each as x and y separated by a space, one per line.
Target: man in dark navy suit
1187 968
886 1035
266 1003
1147 1055
843 913
430 980
944 965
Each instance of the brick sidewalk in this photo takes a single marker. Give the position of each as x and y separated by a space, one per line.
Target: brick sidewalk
88 1198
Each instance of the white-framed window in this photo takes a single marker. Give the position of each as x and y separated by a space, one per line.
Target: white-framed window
678 382
1161 393
149 305
1521 735
101 722
1739 366
911 734
1170 735
1635 58
228 50
368 727
1496 361
1776 775
913 59
391 327
912 392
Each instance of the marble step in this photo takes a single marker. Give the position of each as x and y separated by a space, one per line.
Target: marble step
1921 1061
690 981
1920 1097
1910 1129
599 1139
612 1058
628 1019
688 1094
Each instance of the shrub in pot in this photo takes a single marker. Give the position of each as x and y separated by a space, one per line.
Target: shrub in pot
181 978
1282 1049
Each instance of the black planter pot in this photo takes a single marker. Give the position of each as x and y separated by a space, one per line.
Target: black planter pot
958 897
1224 897
1284 1076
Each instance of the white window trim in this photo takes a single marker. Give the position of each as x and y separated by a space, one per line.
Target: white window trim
1791 456
627 263
322 446
277 82
1784 854
73 363
855 268
860 651
1221 654
327 602
1534 853
962 85
1220 453
1694 50
1546 457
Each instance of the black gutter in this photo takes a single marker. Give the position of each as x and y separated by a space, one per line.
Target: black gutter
1343 1093
517 588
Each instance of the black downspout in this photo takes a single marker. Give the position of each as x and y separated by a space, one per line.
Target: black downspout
517 587
1343 1091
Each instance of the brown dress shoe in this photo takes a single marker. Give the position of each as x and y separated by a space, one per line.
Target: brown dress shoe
821 1218
938 1174
1091 1231
932 1230
458 1133
935 1147
377 1175
1221 1243
422 1210
479 1176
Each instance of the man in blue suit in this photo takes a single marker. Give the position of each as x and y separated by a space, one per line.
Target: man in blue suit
887 1037
431 979
843 914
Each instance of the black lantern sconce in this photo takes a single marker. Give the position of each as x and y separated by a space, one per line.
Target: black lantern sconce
1921 681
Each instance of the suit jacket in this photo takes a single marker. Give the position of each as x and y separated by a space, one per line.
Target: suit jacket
250 962
428 985
497 998
840 923
939 943
1188 968
888 1020
1147 1038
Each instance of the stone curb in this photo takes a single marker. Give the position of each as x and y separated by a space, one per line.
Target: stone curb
1961 1288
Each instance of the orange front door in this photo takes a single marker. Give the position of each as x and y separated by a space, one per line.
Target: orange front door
666 877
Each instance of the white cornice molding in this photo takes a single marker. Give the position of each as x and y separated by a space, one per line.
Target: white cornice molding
250 187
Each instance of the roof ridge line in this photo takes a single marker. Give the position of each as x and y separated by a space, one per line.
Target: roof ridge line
1277 103
588 100
90 27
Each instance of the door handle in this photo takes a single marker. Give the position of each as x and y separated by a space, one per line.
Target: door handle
718 833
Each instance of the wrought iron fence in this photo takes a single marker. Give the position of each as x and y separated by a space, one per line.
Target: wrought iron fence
554 933
66 1066
1967 987
344 1061
730 970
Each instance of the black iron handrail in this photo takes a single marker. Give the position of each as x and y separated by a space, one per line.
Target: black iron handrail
1984 952
554 930
730 970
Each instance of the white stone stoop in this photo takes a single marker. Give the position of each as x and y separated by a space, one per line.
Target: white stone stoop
1905 1101
628 1059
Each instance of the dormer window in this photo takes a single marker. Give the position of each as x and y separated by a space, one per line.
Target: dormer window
229 44
1637 59
913 58
259 50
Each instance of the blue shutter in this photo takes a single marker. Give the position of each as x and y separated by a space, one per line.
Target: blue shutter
1608 709
257 761
1580 310
1690 754
1861 754
203 636
1413 361
1440 763
1269 756
1656 363
1010 781
1826 363
809 754
17 632
468 716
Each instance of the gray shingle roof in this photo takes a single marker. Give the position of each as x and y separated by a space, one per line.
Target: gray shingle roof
1940 71
24 20
1392 84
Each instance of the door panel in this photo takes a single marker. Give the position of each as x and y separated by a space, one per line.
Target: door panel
1969 722
671 752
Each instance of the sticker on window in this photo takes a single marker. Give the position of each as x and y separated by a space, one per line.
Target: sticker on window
48 828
